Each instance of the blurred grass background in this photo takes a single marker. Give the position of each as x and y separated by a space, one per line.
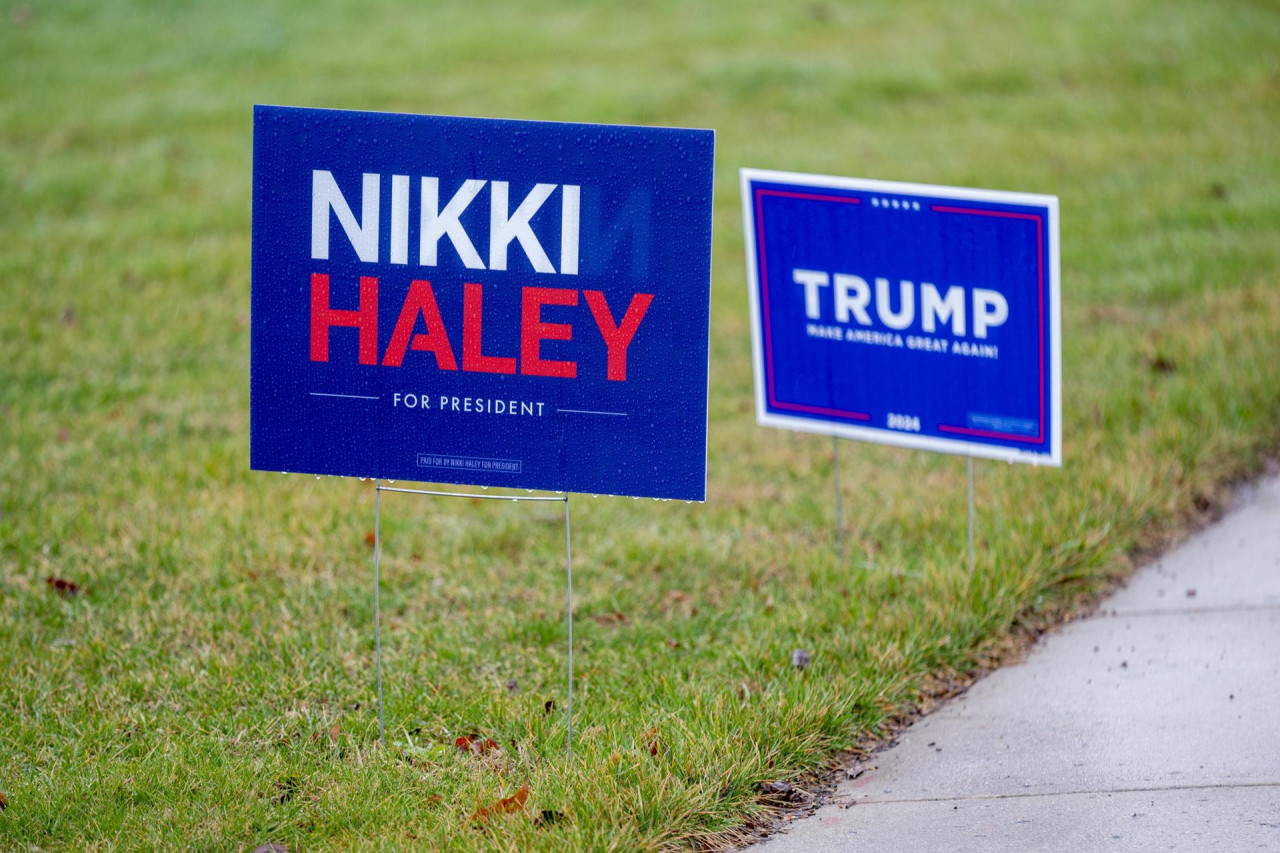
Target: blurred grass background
211 687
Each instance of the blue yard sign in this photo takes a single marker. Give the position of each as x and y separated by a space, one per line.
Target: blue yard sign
906 314
494 303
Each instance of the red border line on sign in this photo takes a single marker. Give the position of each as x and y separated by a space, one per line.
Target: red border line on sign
764 281
1004 214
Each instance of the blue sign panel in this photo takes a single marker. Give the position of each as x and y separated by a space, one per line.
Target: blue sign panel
494 303
906 314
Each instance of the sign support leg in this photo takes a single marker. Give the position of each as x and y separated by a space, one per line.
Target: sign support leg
835 455
971 560
377 602
568 566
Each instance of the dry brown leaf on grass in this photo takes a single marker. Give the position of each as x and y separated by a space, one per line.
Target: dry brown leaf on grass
674 600
475 745
782 791
333 734
507 805
63 586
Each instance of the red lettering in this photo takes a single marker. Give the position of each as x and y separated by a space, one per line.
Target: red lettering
473 360
617 337
533 331
421 300
323 317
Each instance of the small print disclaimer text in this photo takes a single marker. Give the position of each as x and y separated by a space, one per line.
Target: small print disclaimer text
469 463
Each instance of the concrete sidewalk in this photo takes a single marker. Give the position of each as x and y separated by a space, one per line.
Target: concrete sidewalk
1153 725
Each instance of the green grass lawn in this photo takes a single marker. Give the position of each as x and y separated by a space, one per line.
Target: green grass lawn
212 686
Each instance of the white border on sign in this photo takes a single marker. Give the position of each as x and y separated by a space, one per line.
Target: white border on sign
884 436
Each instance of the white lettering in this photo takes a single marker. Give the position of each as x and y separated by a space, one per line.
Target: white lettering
436 223
399 219
906 311
326 196
945 311
571 205
989 309
949 307
811 281
503 228
856 301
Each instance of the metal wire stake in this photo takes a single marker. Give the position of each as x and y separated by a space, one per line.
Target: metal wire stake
835 452
971 563
377 602
568 564
377 586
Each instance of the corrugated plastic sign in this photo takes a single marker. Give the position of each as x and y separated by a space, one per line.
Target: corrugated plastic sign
907 314
484 302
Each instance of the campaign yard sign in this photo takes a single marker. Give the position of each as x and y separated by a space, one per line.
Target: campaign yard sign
483 302
921 316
